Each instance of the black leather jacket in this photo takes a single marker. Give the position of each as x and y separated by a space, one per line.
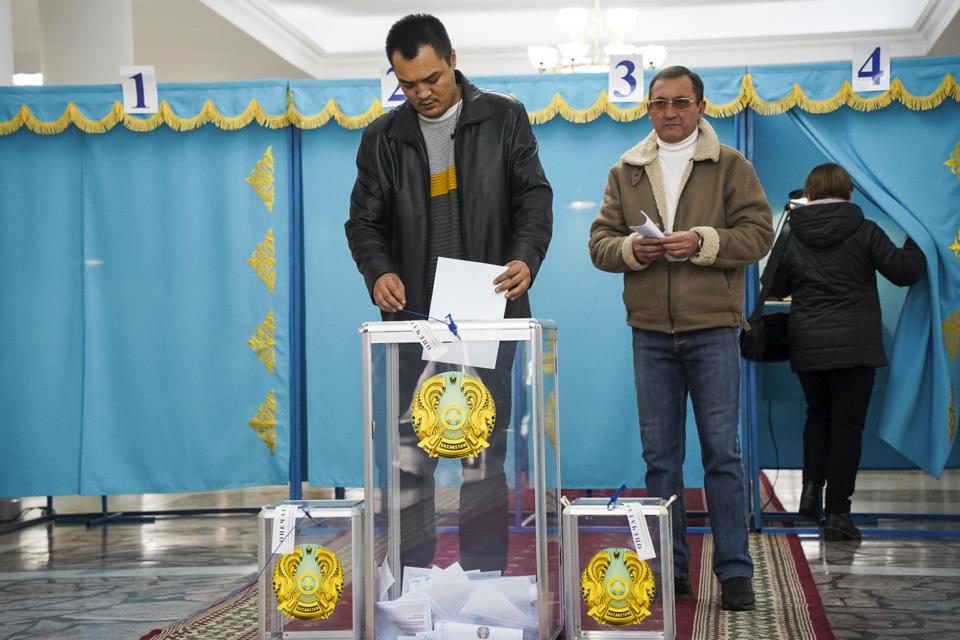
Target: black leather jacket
505 199
829 265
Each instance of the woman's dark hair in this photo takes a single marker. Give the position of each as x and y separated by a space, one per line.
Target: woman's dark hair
828 181
411 32
677 71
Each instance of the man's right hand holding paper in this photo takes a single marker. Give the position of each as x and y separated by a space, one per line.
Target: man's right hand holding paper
647 249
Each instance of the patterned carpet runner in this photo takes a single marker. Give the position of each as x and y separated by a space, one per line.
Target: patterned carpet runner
788 604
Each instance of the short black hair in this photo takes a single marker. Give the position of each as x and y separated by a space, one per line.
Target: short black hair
411 32
677 71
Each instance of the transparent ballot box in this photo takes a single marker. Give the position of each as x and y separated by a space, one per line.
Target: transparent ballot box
613 590
313 586
462 476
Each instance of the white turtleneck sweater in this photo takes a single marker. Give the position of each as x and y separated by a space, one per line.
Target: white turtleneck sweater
673 158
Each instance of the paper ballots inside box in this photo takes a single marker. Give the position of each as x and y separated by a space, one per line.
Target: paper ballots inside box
473 597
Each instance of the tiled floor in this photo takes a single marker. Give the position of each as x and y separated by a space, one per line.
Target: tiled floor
122 580
903 587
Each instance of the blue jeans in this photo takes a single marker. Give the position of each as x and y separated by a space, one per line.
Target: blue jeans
706 364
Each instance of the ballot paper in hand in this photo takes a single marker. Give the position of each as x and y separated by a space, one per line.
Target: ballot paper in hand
465 291
649 230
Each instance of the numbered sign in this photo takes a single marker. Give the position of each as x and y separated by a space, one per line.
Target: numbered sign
390 93
625 81
871 67
139 89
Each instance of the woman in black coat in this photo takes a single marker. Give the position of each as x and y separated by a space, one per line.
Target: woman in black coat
829 268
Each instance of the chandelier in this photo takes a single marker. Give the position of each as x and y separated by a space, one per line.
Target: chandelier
594 35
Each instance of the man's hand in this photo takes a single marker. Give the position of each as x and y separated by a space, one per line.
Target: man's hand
515 280
647 249
389 294
681 244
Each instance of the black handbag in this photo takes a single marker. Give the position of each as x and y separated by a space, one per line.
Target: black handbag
766 337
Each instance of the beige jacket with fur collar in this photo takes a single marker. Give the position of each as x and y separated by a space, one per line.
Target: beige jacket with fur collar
721 198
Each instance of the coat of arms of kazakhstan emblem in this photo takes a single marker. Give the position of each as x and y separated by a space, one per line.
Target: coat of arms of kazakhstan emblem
308 582
453 415
618 587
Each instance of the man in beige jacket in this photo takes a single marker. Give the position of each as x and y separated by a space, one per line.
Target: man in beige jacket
684 297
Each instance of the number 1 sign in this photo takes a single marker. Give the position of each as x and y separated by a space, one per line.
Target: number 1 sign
871 67
625 81
139 89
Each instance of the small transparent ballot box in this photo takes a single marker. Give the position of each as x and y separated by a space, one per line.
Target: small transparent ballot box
313 588
611 591
462 475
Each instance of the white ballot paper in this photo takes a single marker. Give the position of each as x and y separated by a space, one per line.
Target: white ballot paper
406 616
385 579
460 631
649 230
465 290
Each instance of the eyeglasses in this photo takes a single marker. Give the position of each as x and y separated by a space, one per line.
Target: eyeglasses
660 104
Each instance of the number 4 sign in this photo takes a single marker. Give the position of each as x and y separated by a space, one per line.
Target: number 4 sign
871 67
139 89
625 81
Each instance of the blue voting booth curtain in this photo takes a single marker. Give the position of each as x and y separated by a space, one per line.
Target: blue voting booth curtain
336 303
147 317
171 380
41 259
919 413
783 156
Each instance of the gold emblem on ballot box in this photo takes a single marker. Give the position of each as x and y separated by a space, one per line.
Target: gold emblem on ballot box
618 587
453 415
308 582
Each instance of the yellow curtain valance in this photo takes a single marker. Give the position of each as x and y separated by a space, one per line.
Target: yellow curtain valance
558 106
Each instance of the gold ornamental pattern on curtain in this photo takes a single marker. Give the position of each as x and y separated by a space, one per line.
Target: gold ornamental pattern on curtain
263 262
953 162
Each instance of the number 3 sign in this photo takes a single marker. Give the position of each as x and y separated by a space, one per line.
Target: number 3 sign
871 67
625 81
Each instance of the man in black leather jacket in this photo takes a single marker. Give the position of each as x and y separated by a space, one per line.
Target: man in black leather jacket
453 172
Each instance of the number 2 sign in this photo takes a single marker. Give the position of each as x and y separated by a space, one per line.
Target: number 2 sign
871 67
390 93
625 80
139 89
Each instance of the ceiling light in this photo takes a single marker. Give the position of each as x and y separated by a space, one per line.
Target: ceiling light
594 36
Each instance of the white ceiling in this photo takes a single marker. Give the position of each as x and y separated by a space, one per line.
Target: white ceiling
209 40
337 38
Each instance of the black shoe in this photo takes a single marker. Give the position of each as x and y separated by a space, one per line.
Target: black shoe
682 589
840 527
736 594
811 501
